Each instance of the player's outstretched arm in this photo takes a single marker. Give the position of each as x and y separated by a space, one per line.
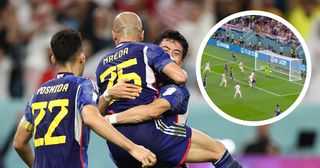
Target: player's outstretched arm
140 113
122 89
174 72
93 119
21 142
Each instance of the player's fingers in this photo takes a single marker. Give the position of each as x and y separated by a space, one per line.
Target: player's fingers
129 97
130 92
128 89
125 80
136 91
132 86
145 162
153 155
152 159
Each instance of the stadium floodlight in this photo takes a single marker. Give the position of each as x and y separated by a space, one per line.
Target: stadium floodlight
279 63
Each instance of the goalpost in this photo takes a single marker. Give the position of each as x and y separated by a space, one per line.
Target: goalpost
278 63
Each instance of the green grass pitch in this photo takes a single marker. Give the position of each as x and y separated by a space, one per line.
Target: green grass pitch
257 103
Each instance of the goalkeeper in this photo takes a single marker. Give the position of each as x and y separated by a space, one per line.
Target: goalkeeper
267 70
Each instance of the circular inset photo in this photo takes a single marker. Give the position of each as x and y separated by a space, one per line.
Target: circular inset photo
253 68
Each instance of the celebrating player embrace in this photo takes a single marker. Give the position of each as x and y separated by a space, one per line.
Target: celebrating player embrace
59 114
173 143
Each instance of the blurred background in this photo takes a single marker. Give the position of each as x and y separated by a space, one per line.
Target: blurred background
26 27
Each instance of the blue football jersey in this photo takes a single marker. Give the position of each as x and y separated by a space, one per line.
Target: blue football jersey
60 136
178 97
139 62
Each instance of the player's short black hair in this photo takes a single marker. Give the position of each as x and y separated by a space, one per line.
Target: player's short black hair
174 35
65 45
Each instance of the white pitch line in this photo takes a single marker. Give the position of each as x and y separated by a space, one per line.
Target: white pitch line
250 68
289 94
254 86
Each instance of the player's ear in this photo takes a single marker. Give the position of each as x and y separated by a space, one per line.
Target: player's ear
53 60
114 36
181 62
141 36
82 58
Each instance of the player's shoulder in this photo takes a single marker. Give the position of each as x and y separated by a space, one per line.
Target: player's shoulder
137 44
152 47
79 80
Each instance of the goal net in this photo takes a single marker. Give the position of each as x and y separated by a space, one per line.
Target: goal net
278 63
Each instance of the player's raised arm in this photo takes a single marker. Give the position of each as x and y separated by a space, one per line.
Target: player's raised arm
96 122
174 72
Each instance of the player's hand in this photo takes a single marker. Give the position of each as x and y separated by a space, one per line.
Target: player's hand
124 90
143 155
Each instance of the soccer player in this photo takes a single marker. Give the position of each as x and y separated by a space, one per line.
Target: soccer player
267 70
277 111
207 67
223 80
251 78
241 66
173 100
233 55
60 112
225 66
231 73
253 74
140 63
205 82
237 90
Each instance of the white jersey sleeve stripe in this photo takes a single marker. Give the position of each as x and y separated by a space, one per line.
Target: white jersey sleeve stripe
150 76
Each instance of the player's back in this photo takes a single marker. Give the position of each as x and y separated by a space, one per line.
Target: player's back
139 62
60 137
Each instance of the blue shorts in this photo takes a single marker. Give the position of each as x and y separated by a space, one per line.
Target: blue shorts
168 140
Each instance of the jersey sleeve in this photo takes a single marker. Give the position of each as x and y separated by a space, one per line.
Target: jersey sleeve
87 94
28 119
157 58
27 112
178 97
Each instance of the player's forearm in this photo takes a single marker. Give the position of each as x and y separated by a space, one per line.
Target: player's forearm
25 154
99 125
21 142
143 113
102 105
174 72
134 115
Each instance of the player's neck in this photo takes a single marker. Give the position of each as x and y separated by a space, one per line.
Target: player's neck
69 68
127 39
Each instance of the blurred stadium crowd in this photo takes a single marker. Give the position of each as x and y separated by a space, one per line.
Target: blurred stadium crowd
27 25
265 26
247 31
